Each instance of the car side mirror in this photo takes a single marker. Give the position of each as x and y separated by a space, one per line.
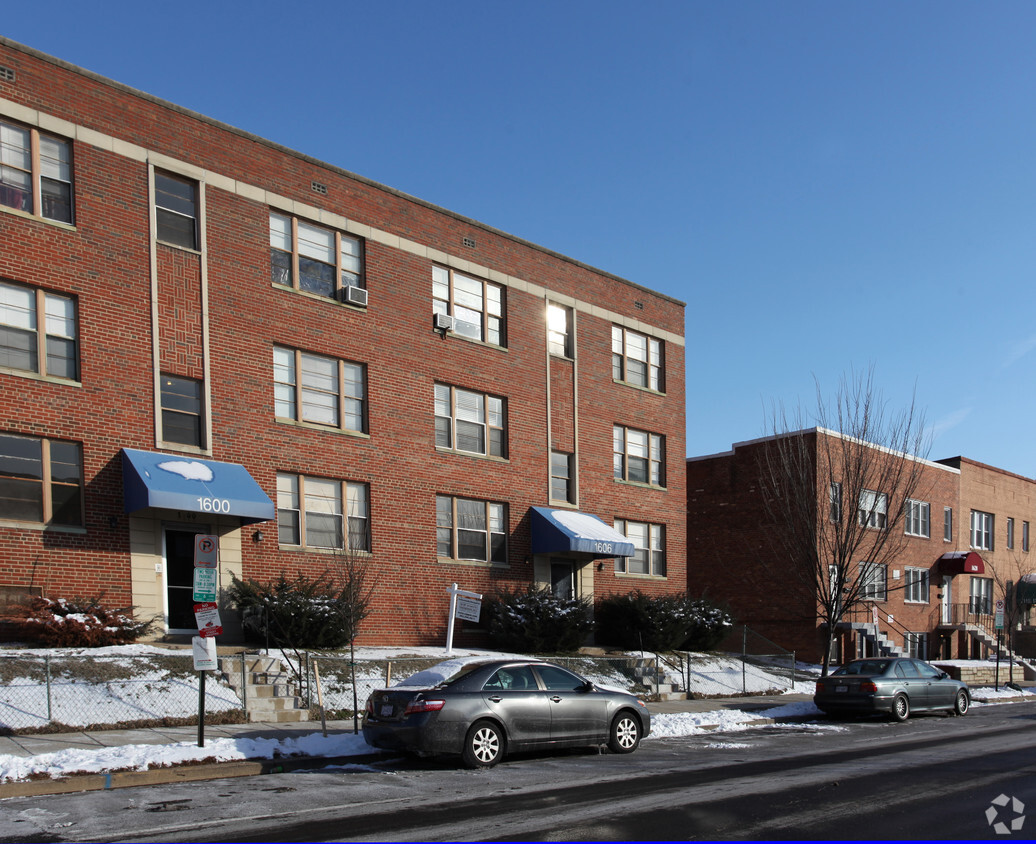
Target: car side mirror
587 687
943 675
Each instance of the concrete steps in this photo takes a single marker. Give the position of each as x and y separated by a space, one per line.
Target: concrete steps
664 687
268 690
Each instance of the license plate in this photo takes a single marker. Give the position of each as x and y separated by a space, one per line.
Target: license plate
386 710
841 688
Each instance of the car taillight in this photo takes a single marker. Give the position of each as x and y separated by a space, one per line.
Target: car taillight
866 686
416 706
820 686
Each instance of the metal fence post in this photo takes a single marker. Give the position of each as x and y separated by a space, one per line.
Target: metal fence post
792 687
244 684
50 716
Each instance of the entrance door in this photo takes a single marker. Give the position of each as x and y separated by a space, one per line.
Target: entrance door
563 578
947 601
179 579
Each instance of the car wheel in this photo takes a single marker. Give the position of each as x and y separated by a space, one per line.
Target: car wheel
625 733
900 708
483 745
962 703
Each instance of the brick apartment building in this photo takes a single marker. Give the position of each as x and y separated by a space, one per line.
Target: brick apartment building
202 332
965 546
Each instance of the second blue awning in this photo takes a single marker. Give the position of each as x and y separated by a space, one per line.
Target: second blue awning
569 531
173 482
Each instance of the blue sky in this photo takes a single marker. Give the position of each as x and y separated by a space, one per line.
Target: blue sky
827 185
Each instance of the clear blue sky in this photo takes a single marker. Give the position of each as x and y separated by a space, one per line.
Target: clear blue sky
827 185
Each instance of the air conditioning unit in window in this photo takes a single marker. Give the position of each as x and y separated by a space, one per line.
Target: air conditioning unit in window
354 296
443 323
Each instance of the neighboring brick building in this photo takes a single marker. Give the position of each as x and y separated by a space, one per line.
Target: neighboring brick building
204 332
935 600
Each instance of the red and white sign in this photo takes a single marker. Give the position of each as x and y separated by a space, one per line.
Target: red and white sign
206 551
207 616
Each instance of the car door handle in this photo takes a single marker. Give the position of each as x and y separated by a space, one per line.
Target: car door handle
556 699
495 698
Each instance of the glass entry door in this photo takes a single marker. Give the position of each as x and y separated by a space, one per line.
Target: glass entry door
179 579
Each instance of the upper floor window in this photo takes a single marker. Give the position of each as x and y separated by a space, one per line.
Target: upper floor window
638 456
1025 536
182 411
874 508
636 358
41 480
310 513
314 259
477 306
981 530
834 496
38 332
873 581
35 173
649 544
559 330
469 529
1010 532
917 515
915 586
324 391
562 487
947 524
470 421
176 210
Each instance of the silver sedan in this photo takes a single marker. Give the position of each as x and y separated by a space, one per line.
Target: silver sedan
484 709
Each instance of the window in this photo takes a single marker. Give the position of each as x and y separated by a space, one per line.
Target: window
649 544
468 529
176 210
469 421
559 330
323 391
981 602
834 496
915 586
1025 536
52 351
477 306
181 411
561 477
947 524
310 514
981 530
636 359
873 509
1010 532
916 645
873 581
638 456
41 480
917 518
313 259
35 173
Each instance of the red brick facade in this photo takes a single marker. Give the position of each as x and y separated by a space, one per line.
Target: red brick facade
146 309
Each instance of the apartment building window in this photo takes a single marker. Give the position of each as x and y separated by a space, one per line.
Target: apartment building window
917 516
41 480
649 544
947 524
636 359
182 411
915 585
310 513
38 332
319 390
477 306
559 330
176 210
916 645
834 497
35 173
873 509
469 529
314 259
638 456
873 581
981 530
1025 536
1010 532
981 598
561 477
470 421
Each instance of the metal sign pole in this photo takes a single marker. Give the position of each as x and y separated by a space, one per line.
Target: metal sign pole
201 709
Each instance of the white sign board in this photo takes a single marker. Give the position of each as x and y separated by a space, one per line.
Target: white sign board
204 651
206 551
204 585
468 609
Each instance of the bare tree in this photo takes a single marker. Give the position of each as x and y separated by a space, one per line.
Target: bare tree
835 494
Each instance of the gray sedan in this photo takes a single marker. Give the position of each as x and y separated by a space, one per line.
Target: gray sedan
485 709
894 685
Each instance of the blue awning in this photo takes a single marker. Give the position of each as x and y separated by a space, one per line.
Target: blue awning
176 482
569 531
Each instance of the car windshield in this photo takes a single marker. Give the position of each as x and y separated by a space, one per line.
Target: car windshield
865 666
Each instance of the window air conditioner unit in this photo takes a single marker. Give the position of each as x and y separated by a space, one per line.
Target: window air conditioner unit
443 322
355 296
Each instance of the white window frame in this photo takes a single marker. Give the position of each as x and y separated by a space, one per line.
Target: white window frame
562 474
916 645
916 585
319 390
53 351
982 526
980 596
455 530
559 330
947 524
1010 532
295 241
308 496
633 447
834 496
648 540
35 168
873 509
466 418
637 359
917 516
873 581
478 307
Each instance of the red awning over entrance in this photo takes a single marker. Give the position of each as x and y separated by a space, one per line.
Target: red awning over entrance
961 562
